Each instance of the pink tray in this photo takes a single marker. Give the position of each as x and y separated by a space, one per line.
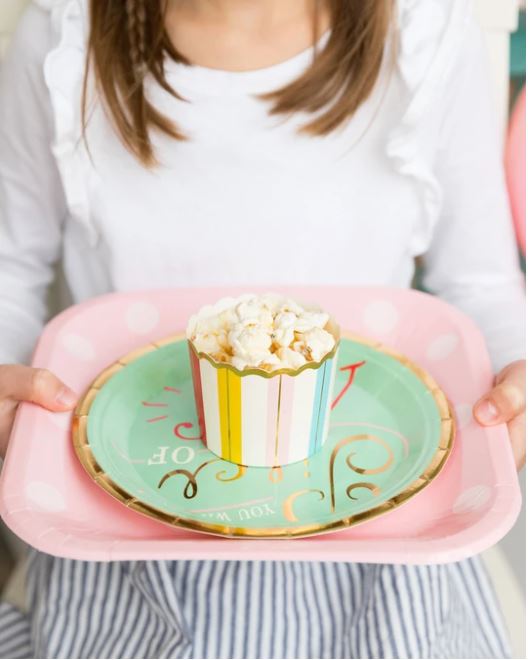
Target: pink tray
48 500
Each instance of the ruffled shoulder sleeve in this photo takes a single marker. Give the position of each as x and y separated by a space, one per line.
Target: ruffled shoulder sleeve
430 36
64 69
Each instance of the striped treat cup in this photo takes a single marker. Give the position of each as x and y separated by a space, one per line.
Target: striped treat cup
257 418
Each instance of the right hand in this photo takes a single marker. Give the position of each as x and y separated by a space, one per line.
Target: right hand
19 383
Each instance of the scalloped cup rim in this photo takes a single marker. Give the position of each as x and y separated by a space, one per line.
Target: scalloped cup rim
286 371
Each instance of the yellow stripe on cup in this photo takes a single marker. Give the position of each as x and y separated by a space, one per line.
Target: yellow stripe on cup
235 416
230 408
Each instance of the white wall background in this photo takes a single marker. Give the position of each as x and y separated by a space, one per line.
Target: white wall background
506 562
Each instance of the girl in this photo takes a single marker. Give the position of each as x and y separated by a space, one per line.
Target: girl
188 142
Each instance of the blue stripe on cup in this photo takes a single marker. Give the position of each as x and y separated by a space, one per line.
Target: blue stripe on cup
322 392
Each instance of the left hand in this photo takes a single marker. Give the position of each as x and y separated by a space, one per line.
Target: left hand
505 403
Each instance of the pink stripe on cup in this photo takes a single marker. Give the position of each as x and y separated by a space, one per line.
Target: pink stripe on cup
285 418
198 394
273 405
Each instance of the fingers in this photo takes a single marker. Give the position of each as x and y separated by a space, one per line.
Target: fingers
506 400
38 386
516 429
503 403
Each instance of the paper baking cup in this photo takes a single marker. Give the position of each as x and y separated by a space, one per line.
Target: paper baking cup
253 417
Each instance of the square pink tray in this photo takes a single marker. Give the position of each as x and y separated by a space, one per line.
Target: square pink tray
48 500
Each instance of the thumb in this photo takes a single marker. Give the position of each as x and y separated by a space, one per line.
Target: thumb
503 403
38 386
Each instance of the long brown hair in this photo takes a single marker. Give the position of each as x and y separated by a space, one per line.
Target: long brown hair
128 41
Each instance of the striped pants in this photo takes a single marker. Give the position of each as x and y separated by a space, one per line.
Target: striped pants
216 609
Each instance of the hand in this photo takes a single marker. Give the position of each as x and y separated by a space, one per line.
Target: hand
506 402
19 383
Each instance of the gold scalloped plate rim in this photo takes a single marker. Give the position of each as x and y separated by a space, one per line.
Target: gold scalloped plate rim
87 459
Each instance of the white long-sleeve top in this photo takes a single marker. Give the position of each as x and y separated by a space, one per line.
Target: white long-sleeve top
247 199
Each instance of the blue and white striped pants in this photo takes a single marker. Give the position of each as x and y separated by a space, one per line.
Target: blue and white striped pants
216 609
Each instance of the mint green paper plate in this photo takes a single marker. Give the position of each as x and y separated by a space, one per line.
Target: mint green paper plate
136 433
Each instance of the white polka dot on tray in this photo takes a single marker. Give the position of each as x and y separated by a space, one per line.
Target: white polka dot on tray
472 499
442 347
380 316
464 414
46 497
142 317
78 346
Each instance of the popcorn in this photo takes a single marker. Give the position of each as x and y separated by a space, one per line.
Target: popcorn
267 332
293 307
272 301
238 362
252 312
284 328
283 336
309 320
319 342
250 343
227 319
210 342
209 326
290 358
271 362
